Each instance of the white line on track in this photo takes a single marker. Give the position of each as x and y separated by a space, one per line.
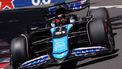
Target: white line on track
110 6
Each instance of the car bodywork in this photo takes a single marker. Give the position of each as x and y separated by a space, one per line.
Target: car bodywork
56 45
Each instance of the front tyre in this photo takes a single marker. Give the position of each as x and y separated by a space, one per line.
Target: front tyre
103 15
19 52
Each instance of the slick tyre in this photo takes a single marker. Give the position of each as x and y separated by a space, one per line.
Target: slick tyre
97 32
103 15
100 13
18 52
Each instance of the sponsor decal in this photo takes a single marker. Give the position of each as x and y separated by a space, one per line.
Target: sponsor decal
6 4
40 2
35 62
87 51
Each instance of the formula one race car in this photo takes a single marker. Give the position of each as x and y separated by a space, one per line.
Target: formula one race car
66 36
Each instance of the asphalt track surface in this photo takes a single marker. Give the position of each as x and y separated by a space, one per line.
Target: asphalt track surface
113 61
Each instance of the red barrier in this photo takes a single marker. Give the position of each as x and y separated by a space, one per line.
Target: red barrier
4 54
4 65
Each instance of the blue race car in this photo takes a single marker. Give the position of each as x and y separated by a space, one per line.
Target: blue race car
66 36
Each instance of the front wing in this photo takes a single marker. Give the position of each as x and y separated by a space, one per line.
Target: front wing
85 52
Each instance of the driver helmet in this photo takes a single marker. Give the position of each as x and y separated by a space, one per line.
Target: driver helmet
72 19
